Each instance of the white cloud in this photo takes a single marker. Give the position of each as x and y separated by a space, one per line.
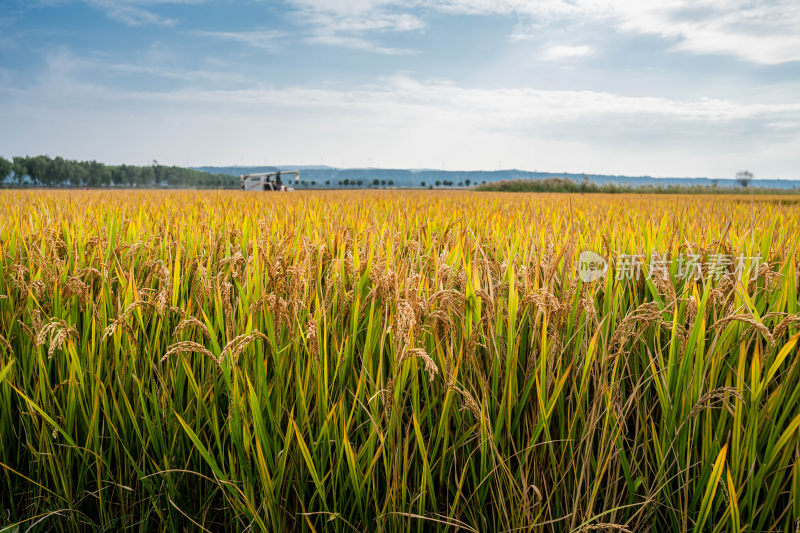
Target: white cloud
267 40
187 75
400 121
561 52
758 31
134 16
356 43
530 105
353 24
137 12
369 21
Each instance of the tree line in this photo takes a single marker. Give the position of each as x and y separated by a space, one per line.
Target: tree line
44 171
585 186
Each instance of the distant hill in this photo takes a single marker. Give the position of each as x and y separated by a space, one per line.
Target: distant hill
330 176
236 171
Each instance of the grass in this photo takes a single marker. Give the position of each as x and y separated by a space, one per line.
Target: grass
394 361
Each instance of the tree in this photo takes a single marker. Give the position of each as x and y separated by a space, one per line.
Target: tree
5 168
157 173
376 182
78 175
58 171
438 183
391 183
117 175
467 182
37 169
422 184
131 175
18 165
97 174
744 177
104 172
146 176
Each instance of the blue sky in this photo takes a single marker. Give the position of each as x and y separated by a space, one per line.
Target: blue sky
668 88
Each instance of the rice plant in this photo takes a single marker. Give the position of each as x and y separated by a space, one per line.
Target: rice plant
397 361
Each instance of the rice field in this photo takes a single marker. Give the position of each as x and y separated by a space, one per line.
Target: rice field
398 361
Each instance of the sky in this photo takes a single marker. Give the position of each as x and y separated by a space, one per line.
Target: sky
634 87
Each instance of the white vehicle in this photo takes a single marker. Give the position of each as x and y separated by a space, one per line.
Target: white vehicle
269 181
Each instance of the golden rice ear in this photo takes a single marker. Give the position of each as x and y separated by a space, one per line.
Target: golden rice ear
430 365
6 345
191 322
752 321
189 347
313 342
787 322
237 345
55 334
